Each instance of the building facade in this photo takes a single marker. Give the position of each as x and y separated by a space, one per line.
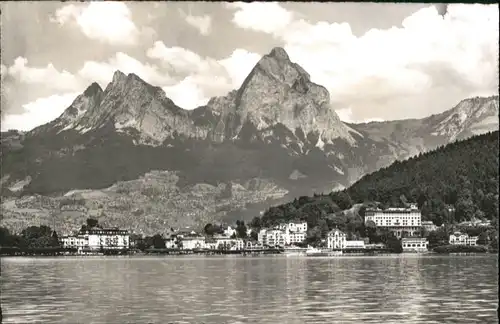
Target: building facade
227 243
414 244
294 227
459 238
336 239
354 244
397 220
96 239
272 238
192 242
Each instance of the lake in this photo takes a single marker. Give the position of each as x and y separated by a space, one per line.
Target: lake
261 289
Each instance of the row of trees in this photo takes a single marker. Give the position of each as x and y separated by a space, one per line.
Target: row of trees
33 237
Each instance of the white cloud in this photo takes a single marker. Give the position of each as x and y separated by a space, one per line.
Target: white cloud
346 115
49 76
187 94
268 17
239 64
109 22
385 65
178 58
202 23
206 77
102 72
38 112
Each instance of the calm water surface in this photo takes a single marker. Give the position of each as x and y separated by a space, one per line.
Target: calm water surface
270 289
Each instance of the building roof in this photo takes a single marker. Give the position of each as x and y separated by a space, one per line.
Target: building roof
336 230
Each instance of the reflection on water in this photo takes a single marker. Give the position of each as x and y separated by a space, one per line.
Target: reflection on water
271 289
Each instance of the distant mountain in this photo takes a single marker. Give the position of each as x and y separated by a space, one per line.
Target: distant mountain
470 117
273 138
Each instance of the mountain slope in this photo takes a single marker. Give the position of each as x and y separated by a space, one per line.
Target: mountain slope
469 117
277 129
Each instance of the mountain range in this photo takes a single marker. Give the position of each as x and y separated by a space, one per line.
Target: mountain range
131 157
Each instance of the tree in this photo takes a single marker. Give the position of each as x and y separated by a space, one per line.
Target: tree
256 223
55 240
158 241
341 199
209 229
92 222
483 238
394 244
323 228
241 229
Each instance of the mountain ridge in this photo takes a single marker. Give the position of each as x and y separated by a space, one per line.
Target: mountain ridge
277 129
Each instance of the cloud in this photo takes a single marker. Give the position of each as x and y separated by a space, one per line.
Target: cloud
48 76
268 17
202 23
346 115
385 65
108 22
178 59
187 94
38 112
102 72
204 77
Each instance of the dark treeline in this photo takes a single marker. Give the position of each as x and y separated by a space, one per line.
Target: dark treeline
33 237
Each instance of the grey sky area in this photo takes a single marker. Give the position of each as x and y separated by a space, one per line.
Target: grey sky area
378 61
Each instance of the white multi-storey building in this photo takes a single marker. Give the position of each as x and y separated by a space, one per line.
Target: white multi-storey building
458 238
293 237
397 220
271 237
96 239
336 239
414 244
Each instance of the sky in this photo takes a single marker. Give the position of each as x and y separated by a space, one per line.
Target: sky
378 61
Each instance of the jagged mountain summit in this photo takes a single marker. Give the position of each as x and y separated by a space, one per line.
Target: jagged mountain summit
277 91
274 138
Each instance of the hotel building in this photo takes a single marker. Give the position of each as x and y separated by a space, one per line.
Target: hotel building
397 220
336 239
271 237
96 239
283 234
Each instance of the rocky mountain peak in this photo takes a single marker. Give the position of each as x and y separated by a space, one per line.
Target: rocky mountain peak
92 90
279 53
279 91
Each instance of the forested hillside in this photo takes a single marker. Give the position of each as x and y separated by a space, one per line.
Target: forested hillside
462 176
450 184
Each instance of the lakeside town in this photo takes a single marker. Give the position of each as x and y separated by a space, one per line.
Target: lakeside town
403 227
